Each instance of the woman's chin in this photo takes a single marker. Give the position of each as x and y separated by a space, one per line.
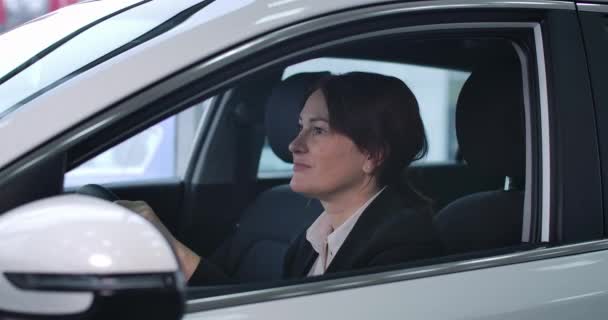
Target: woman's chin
299 186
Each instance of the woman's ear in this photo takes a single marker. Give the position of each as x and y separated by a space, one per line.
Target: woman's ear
368 166
372 162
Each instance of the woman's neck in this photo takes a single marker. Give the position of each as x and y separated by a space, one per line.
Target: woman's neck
342 206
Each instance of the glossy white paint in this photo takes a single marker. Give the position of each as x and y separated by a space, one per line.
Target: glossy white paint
73 234
546 289
35 37
83 48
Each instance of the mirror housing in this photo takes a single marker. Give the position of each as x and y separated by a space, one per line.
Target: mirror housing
74 256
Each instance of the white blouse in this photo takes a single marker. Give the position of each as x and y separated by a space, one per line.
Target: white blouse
326 241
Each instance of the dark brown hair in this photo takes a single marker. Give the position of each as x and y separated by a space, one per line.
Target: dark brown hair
381 115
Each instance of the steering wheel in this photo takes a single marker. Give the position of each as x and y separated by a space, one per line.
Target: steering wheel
98 191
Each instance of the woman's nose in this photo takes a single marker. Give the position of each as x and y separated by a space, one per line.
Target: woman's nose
297 145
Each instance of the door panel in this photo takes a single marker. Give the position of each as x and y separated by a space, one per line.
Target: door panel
564 187
572 287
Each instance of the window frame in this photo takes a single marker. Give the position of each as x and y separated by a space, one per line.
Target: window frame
417 269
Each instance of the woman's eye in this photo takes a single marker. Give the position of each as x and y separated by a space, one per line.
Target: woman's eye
317 130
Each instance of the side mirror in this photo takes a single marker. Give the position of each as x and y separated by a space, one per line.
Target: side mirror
74 256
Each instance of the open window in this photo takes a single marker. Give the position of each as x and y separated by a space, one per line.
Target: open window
476 110
455 77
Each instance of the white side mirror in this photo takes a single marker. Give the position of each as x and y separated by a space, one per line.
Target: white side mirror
74 255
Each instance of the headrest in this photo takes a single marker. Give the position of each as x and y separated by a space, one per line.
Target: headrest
283 109
490 120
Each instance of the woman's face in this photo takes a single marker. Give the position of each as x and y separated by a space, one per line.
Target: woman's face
326 163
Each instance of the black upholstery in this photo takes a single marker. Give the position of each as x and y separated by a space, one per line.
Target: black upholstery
437 181
256 249
490 120
490 131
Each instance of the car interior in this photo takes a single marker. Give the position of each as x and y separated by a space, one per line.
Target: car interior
224 211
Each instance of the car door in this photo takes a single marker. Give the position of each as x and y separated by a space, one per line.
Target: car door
559 275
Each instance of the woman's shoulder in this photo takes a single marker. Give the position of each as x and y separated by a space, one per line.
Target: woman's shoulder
400 208
402 222
404 234
412 219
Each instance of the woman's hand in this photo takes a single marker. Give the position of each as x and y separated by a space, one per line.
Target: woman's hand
144 210
189 260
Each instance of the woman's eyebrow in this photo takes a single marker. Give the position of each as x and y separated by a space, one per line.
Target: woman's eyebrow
318 119
313 119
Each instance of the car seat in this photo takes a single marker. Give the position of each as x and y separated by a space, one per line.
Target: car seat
490 132
256 249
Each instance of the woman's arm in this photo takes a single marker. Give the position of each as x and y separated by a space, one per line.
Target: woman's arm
188 259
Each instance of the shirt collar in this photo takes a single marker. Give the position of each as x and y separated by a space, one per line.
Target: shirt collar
321 233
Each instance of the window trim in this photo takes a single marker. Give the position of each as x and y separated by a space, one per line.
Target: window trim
545 153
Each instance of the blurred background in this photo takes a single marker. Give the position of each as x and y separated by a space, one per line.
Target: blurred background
16 12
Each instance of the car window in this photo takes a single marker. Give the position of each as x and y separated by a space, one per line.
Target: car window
493 168
435 88
474 174
161 151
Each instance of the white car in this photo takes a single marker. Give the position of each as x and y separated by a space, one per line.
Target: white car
189 104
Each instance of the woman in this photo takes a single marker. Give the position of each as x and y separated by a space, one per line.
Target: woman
358 132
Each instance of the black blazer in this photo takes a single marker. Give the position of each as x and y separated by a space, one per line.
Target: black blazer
387 232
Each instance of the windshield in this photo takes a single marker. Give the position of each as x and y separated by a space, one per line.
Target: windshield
48 49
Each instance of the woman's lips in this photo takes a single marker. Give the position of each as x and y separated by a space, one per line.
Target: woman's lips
299 166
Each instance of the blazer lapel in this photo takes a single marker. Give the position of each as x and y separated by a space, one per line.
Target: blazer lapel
356 240
306 257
